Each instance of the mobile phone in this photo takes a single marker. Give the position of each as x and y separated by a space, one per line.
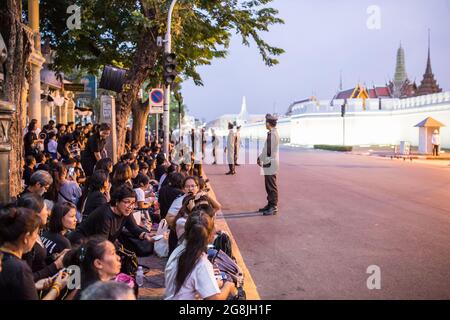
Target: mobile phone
56 274
158 237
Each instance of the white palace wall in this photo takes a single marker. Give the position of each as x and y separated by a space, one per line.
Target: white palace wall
371 127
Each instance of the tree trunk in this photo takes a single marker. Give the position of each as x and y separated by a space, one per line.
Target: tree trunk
143 62
19 45
140 115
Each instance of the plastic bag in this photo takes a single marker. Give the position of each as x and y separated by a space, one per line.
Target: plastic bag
161 247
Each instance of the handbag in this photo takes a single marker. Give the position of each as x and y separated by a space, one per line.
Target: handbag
142 248
128 260
161 247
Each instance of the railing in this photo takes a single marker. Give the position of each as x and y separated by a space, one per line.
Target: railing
373 104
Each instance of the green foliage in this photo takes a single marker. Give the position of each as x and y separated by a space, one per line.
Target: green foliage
333 148
111 31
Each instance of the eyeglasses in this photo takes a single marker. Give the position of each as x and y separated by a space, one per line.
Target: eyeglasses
129 203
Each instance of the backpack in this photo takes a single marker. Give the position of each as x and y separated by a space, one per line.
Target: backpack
223 242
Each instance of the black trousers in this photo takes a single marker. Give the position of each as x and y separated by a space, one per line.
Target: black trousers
232 167
270 182
435 150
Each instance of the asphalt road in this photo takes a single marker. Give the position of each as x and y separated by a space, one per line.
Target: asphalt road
340 214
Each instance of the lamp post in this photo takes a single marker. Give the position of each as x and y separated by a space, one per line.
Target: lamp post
167 49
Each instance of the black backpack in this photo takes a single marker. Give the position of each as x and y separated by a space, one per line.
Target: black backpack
223 242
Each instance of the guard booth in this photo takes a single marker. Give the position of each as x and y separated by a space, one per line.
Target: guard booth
426 129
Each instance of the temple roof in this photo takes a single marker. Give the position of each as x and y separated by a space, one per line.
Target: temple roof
429 122
429 84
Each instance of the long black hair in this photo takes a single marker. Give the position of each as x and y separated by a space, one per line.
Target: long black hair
84 257
198 229
55 224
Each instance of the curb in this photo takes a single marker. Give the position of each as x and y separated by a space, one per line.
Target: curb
221 223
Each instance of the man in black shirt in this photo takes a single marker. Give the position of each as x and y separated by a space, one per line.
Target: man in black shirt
108 220
94 148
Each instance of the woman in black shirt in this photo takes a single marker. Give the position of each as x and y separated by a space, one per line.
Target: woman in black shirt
97 194
37 256
30 140
62 220
19 229
108 220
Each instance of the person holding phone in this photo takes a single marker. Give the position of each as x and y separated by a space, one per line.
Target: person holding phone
19 229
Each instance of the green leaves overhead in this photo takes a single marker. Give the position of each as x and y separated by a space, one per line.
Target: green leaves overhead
112 29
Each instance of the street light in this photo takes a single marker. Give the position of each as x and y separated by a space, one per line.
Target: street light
167 50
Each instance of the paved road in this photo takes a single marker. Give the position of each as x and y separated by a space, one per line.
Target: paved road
340 214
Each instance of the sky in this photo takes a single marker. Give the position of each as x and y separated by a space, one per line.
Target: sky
322 38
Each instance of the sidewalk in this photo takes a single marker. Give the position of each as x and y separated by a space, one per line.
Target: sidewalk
153 288
389 152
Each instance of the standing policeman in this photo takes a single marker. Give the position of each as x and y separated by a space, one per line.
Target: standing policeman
269 161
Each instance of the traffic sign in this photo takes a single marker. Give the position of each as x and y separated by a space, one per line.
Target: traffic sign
156 101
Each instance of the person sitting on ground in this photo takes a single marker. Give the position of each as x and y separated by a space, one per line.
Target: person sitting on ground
170 192
62 220
134 172
161 166
40 182
98 192
186 169
19 229
98 261
189 274
143 168
143 190
28 170
190 203
122 175
163 181
41 162
69 190
191 186
108 220
37 257
108 290
105 164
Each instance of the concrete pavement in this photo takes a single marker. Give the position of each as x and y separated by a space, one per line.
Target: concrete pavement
340 214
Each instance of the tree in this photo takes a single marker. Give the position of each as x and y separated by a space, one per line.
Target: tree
124 33
18 40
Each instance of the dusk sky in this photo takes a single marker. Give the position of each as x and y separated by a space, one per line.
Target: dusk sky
321 38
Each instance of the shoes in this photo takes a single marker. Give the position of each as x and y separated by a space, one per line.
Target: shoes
229 172
237 164
271 211
263 209
214 163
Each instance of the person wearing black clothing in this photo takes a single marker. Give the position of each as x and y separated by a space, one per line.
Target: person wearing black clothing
98 187
94 147
30 140
30 163
170 192
36 258
16 278
62 220
108 220
160 166
19 229
63 145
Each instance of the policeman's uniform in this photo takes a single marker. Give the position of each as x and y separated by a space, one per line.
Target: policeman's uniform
270 162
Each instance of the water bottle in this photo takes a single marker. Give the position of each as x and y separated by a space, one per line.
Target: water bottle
140 277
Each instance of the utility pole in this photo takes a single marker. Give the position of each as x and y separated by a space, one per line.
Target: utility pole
167 50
